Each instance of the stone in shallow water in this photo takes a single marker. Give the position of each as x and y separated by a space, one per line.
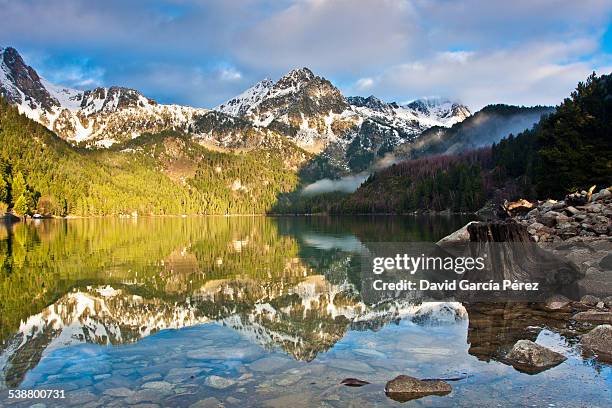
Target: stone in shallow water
210 402
152 377
145 395
182 374
118 392
161 386
288 380
298 400
80 397
268 364
214 381
532 358
232 400
405 388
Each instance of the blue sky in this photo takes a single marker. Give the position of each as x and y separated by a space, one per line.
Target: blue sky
201 53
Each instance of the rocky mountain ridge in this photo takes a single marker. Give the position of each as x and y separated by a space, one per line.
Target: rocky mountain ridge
349 131
305 108
97 117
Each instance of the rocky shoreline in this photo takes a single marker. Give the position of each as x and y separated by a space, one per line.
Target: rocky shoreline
577 229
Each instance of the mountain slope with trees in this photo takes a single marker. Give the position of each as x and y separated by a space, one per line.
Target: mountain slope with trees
568 150
167 173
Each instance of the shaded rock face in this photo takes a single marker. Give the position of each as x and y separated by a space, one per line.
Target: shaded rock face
26 80
532 358
599 341
589 300
405 388
521 259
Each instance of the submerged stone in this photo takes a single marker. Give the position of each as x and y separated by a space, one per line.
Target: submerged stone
214 381
532 358
210 402
405 388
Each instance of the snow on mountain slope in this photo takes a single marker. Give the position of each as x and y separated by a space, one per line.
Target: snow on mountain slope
242 104
101 116
350 132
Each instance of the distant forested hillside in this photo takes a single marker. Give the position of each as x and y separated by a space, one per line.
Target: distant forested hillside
487 126
167 173
567 150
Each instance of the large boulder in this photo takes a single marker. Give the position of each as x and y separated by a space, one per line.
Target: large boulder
599 341
589 300
558 303
405 388
532 358
593 316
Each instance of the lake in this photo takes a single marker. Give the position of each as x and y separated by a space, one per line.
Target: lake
253 311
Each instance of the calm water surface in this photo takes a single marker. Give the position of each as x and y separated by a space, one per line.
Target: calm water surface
252 312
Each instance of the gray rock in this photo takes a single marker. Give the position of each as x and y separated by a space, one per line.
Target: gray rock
118 392
532 358
162 386
548 219
606 262
220 383
405 388
593 316
152 377
81 397
589 300
181 374
602 194
146 395
532 228
580 217
558 303
572 210
607 302
599 341
210 402
594 208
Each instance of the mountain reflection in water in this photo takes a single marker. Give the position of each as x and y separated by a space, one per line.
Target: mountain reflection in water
284 284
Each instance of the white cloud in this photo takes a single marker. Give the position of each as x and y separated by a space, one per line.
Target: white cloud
529 74
230 74
364 84
478 50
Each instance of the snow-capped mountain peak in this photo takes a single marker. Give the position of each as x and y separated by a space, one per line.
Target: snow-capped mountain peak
242 104
100 116
444 110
